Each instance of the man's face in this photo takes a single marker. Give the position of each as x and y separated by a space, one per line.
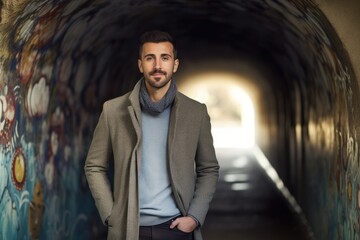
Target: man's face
157 63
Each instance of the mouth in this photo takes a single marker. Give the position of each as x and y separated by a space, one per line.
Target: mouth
158 74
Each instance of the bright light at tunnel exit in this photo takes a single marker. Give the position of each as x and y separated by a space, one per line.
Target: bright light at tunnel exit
229 105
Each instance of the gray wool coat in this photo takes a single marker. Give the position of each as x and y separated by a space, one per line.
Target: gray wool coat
193 165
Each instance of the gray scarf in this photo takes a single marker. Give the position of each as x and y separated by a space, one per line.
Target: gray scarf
155 108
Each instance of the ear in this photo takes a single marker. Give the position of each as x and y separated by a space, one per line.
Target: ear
176 65
140 66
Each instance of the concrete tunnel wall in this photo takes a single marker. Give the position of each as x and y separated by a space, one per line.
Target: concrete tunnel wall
61 59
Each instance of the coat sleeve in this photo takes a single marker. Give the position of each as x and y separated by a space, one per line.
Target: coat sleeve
207 171
97 165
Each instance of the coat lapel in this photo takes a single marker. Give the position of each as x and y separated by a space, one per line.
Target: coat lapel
133 203
173 126
135 110
173 129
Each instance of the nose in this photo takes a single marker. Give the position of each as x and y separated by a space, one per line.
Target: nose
157 64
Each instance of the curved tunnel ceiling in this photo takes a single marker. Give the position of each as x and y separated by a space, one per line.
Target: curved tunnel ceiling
291 40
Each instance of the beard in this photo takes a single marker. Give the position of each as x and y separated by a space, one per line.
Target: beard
159 82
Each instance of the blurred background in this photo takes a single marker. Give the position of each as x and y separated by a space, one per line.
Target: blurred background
279 78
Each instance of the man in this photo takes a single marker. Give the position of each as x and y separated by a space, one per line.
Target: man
165 168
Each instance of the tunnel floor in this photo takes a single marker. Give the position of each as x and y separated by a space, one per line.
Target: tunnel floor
255 210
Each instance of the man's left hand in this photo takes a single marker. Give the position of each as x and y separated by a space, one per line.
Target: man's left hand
184 224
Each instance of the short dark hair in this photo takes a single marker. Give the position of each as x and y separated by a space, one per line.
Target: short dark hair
156 37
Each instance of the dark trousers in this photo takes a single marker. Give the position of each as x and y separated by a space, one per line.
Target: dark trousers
163 232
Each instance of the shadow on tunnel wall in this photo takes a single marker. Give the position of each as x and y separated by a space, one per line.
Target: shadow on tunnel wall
60 60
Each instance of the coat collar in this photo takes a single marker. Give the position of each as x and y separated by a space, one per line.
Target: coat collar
135 110
134 99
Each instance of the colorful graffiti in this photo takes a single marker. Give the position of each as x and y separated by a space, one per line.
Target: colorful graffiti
329 125
43 116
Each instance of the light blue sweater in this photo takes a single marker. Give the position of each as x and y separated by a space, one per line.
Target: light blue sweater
157 204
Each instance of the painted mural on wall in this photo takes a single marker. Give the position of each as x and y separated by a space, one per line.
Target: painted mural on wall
329 131
329 123
46 99
52 63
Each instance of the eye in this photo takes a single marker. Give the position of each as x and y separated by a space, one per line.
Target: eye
166 58
148 58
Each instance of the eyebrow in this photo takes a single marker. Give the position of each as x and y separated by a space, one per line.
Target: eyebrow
162 55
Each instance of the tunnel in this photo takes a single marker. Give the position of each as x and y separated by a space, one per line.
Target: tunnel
61 60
